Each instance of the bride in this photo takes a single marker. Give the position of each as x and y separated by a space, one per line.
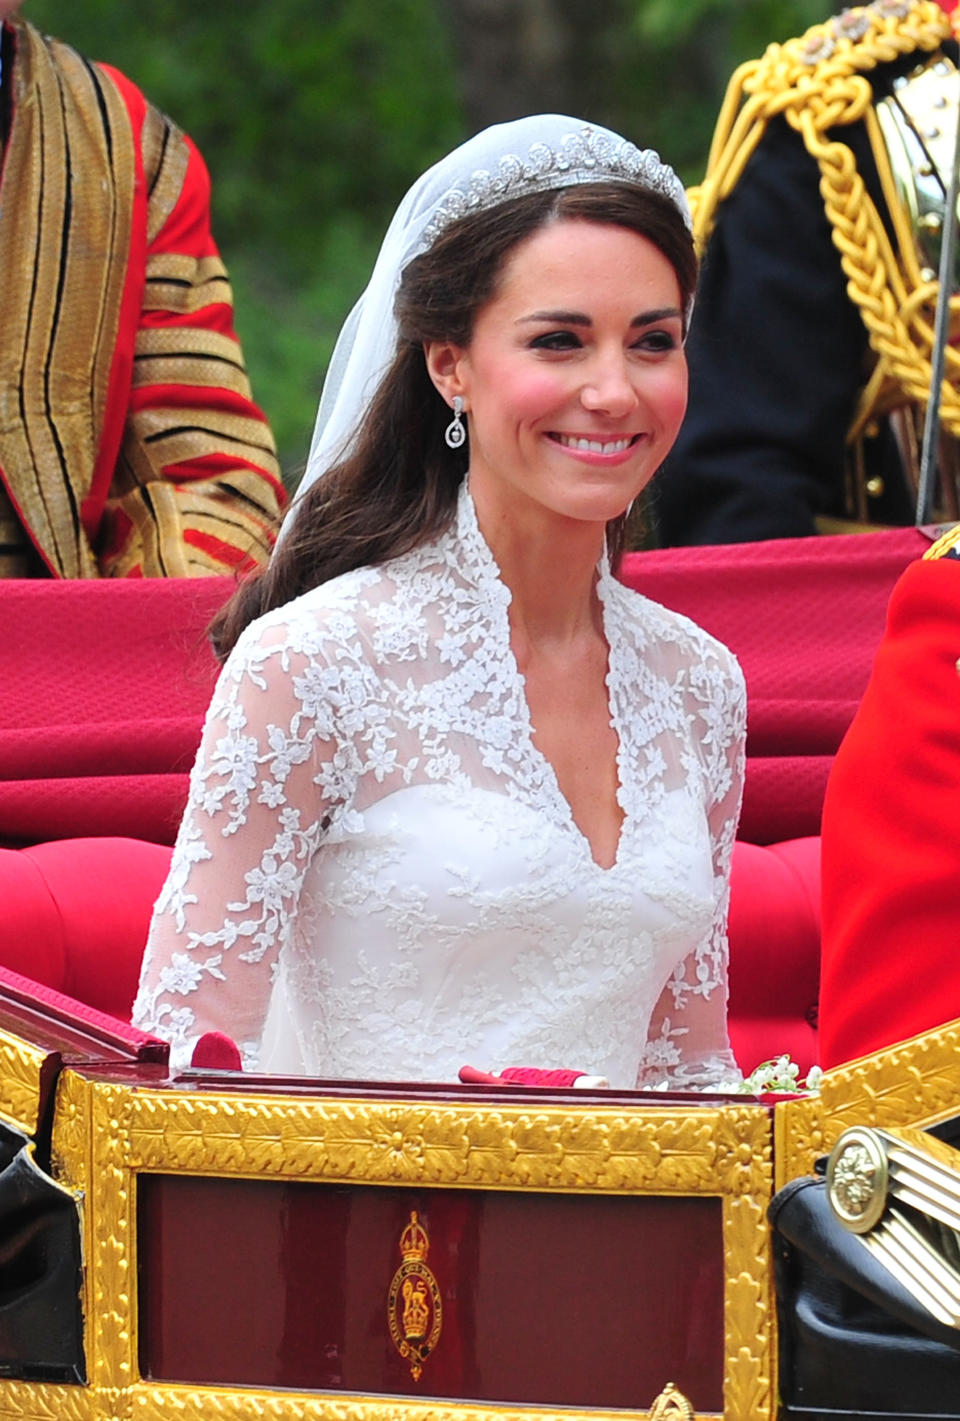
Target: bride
461 796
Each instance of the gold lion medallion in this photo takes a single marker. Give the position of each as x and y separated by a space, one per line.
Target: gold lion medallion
414 1307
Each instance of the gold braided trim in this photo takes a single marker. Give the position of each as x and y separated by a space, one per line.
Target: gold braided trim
188 340
165 158
70 141
174 439
943 545
184 300
817 83
183 284
179 266
197 371
230 510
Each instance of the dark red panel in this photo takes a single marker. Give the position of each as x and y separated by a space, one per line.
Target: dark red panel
572 1300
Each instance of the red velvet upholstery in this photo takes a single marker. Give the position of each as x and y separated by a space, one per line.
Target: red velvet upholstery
75 915
106 684
774 956
102 694
805 616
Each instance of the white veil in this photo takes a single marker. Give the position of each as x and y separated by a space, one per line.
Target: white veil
544 151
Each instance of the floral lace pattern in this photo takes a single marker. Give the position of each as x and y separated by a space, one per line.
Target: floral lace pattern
377 875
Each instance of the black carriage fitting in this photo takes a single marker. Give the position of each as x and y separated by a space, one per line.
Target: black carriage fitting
41 1319
853 1342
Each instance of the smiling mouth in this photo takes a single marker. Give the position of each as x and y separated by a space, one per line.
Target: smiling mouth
595 446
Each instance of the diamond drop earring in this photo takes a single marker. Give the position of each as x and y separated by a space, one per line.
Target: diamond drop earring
455 433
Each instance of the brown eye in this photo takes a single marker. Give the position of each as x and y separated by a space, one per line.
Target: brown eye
659 342
556 340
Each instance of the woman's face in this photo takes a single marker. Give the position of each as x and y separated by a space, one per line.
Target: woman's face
575 379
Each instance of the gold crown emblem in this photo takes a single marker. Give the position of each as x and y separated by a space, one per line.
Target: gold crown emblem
414 1244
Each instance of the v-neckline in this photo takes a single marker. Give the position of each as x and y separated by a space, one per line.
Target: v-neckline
488 574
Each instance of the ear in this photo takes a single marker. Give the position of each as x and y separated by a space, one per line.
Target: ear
446 368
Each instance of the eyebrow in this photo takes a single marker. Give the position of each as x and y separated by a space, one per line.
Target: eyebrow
579 318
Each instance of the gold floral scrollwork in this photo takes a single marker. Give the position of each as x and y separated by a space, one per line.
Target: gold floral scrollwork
20 1066
749 1386
41 1401
915 1082
414 1307
672 1405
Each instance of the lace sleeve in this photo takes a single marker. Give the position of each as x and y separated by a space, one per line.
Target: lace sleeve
265 786
688 1046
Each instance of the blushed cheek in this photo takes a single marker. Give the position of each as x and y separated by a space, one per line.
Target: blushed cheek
534 395
673 403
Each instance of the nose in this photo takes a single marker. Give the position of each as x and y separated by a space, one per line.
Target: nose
609 388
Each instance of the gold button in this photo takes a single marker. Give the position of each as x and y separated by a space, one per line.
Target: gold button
875 486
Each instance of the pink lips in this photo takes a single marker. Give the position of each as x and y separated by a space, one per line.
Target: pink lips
607 448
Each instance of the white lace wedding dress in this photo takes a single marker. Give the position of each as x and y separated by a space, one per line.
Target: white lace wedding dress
377 875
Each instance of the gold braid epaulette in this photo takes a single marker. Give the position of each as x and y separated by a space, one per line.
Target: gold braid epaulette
817 83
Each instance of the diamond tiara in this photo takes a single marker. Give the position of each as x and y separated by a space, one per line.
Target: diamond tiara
583 157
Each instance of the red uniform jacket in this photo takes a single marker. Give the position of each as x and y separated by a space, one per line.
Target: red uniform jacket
891 842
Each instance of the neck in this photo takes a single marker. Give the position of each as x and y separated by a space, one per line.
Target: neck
549 563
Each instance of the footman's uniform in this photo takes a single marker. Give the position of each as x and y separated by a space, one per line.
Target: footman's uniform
129 444
891 849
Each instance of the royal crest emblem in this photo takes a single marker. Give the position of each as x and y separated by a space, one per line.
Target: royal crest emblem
414 1307
671 1405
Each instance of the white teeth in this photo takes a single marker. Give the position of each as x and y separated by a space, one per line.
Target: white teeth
595 446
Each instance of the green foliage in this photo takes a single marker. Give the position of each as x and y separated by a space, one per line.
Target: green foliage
753 24
315 115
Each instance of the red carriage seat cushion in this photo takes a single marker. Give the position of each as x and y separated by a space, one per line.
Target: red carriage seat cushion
76 913
775 951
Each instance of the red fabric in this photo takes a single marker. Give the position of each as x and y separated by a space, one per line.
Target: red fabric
532 1075
774 952
891 868
31 990
76 913
216 1052
103 689
804 616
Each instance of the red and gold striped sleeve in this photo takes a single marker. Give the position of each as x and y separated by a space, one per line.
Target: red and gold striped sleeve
196 488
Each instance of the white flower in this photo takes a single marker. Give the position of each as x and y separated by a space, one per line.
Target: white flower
271 794
780 1076
182 975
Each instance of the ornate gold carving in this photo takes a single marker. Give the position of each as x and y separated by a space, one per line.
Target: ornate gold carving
749 1390
857 1178
40 1401
20 1066
916 1082
183 1404
71 1131
106 1133
708 1150
671 1404
414 1306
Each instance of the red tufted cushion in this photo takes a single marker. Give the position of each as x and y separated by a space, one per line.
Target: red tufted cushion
76 913
775 951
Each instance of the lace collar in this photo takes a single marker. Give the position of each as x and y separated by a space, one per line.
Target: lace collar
479 563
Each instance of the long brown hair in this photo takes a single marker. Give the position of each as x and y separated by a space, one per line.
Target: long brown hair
398 485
